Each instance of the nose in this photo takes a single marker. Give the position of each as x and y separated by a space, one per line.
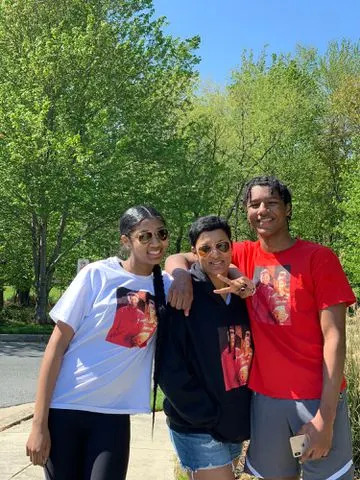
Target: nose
155 240
214 252
262 208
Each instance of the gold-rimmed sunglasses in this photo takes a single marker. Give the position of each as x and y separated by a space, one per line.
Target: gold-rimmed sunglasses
145 237
222 247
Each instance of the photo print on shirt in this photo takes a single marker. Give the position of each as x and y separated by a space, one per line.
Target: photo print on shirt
236 355
271 301
135 319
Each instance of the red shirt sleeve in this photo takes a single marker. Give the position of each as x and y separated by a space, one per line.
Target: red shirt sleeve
238 255
331 286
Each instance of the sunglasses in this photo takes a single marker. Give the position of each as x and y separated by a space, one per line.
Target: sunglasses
145 237
222 247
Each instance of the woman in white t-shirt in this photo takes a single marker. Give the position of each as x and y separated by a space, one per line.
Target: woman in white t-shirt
96 369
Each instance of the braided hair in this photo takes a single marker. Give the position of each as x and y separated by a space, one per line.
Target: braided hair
128 222
274 184
161 313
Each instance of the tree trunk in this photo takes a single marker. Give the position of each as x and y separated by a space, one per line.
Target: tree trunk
23 297
42 296
42 277
1 297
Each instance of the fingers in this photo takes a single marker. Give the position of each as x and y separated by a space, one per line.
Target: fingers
223 290
224 279
313 454
38 454
38 458
172 296
182 301
237 286
180 294
234 285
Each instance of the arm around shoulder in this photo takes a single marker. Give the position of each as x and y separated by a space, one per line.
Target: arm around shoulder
181 291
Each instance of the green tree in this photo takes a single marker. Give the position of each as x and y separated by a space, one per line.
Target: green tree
88 92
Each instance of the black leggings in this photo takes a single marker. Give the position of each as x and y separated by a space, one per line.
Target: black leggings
87 445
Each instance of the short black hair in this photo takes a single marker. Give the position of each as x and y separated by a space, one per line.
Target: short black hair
267 181
208 224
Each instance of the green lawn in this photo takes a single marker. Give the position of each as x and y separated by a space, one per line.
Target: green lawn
15 319
9 293
54 295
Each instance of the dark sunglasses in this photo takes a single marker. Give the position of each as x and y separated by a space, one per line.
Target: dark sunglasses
222 247
145 237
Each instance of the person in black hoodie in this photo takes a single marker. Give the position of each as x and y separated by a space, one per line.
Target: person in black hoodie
205 362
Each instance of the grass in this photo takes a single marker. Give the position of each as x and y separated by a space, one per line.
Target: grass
9 293
159 400
19 320
15 319
54 294
353 384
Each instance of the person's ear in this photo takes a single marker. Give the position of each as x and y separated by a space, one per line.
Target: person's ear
193 250
125 242
288 210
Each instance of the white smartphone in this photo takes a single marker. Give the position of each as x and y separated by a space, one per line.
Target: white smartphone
298 445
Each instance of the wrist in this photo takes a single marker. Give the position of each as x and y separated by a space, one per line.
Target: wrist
179 271
40 422
325 419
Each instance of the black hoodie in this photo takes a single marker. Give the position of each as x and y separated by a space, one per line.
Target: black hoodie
202 356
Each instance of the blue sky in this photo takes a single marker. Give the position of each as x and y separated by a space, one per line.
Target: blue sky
227 27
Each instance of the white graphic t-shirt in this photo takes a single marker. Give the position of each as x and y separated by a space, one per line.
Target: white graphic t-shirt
107 367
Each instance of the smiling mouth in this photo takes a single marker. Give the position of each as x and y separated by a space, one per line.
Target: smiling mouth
264 221
216 264
155 253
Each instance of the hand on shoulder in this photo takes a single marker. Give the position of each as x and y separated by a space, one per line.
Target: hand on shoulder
181 291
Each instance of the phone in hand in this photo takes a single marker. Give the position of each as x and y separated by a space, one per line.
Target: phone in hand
298 445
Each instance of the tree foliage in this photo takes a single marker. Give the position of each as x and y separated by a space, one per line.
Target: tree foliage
99 111
89 90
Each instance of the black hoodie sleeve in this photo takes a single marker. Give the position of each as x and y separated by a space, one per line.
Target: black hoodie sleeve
181 387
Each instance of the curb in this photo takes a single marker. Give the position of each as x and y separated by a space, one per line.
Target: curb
11 416
26 337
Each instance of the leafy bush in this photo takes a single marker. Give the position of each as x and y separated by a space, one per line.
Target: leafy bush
15 319
353 384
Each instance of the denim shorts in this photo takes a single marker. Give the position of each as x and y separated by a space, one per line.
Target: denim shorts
200 451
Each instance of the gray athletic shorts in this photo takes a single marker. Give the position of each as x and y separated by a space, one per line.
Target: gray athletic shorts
274 421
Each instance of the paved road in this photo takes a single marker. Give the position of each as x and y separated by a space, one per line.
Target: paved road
19 366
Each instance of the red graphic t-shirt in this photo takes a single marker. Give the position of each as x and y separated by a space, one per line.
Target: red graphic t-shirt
135 319
236 355
292 286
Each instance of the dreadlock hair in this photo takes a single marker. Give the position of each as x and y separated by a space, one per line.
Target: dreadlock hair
128 222
207 224
274 184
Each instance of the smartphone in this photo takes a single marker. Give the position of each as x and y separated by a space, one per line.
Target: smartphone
298 445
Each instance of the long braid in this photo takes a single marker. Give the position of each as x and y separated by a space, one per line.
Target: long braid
160 307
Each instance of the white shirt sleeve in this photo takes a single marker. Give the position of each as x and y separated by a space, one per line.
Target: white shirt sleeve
77 300
167 279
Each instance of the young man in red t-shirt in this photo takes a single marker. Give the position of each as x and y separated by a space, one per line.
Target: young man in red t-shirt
299 336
